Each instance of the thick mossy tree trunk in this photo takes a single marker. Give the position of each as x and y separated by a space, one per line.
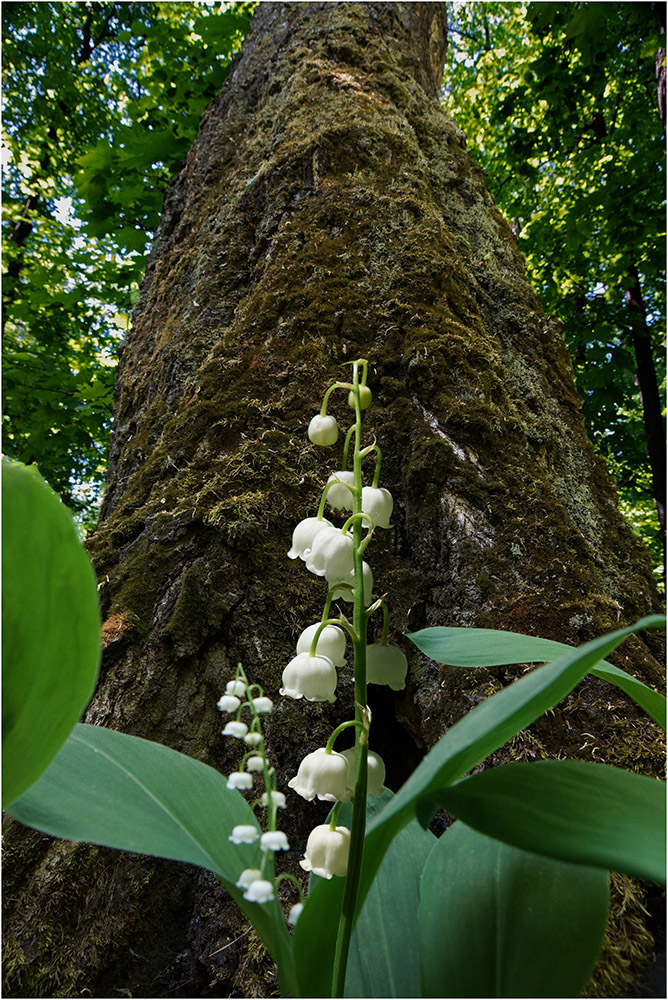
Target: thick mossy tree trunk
328 211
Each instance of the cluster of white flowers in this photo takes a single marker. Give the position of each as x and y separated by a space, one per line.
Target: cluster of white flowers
258 884
328 551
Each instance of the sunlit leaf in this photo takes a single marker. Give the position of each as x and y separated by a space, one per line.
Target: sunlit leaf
51 627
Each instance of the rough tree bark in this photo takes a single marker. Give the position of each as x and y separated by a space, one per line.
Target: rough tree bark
328 210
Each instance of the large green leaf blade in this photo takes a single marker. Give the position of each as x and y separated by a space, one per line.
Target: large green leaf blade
575 810
314 937
383 959
51 627
484 729
384 945
495 921
485 647
121 791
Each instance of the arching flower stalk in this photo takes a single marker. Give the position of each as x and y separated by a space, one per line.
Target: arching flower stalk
336 554
259 884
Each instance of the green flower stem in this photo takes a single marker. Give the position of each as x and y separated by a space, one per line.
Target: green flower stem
333 820
337 385
358 823
376 472
346 445
330 621
323 498
339 730
287 877
361 517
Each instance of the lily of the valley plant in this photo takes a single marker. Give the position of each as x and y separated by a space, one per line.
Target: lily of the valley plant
512 900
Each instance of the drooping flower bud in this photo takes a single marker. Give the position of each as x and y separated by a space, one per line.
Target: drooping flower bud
278 799
310 677
263 705
325 775
239 779
378 504
331 555
247 876
365 397
303 535
386 664
244 833
274 840
323 430
339 497
295 913
228 703
331 643
375 772
259 891
255 764
236 689
253 739
347 593
236 729
327 851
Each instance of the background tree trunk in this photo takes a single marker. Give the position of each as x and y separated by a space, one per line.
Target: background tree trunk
328 210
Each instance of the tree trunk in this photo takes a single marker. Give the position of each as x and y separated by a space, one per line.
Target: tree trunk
328 211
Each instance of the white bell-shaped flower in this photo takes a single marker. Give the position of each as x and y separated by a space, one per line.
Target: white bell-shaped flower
244 833
386 664
236 729
228 703
303 535
277 798
259 891
331 643
253 739
236 689
375 772
339 497
331 555
325 775
263 705
239 779
295 913
323 430
310 677
247 876
327 851
274 840
346 593
378 504
255 764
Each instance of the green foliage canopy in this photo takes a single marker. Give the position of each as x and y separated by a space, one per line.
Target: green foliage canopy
559 105
102 102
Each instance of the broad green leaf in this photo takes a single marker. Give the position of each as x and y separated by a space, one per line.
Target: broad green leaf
484 729
121 791
51 627
486 647
570 809
314 937
383 959
495 921
383 950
